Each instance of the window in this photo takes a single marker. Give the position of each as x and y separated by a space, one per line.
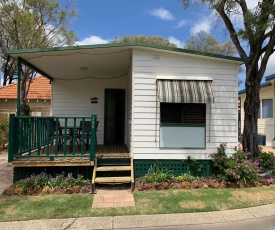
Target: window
267 108
182 125
178 113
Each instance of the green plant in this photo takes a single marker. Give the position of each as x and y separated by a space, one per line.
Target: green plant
157 174
194 166
266 160
240 167
4 131
42 180
185 177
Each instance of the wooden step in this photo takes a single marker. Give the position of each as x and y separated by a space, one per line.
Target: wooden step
113 168
113 179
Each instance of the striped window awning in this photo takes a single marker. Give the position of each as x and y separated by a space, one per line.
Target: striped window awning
185 91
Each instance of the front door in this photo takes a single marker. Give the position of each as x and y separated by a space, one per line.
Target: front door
114 119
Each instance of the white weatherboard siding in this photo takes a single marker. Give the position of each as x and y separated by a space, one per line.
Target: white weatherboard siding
265 93
72 98
147 66
129 113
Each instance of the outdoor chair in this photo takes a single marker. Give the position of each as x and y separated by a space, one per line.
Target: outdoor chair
85 133
56 132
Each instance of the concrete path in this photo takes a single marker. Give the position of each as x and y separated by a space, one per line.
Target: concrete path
6 173
263 216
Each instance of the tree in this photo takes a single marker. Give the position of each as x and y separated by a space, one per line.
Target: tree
156 40
29 24
258 31
207 43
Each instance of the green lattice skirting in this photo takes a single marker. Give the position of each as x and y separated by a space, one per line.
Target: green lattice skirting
199 168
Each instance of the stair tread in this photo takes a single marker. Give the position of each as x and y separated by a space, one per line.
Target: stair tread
113 179
113 168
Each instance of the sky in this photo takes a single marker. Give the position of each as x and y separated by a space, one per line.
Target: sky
99 21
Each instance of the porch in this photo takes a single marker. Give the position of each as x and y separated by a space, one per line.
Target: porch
57 141
103 152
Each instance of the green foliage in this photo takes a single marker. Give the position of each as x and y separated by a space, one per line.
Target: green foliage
157 174
207 43
240 167
266 160
4 131
185 177
59 181
156 40
194 166
25 110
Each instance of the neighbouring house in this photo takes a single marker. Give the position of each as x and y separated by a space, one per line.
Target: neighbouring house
266 111
142 103
39 98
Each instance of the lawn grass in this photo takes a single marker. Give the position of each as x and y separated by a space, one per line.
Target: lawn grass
147 202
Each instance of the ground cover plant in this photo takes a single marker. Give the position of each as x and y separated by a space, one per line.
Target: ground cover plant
46 184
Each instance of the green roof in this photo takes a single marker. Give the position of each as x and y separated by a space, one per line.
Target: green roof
126 44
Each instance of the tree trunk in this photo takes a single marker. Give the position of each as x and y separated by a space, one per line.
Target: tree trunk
251 110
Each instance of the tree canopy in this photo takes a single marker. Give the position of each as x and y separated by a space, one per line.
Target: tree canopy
205 42
257 30
30 24
156 40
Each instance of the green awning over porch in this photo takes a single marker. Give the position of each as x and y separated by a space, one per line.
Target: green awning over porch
185 91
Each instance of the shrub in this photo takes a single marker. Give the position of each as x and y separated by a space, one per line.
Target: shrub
266 161
240 167
157 174
4 133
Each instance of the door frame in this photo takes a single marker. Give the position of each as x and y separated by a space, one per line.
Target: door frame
105 112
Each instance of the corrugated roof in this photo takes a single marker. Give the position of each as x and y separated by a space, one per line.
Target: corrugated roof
261 86
40 88
270 77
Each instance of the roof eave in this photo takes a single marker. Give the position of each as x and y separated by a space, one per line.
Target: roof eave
15 53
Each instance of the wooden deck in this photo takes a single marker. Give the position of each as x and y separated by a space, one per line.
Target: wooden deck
43 160
112 151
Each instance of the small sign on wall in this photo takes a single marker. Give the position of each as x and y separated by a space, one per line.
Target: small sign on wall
94 100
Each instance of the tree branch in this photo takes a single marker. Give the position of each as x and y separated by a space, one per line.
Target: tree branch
220 9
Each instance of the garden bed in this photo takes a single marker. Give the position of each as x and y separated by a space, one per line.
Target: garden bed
200 183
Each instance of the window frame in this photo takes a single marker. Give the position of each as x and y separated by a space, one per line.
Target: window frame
260 113
182 124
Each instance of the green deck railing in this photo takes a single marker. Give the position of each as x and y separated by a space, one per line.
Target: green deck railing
52 136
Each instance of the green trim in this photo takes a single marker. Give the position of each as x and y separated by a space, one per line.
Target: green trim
50 156
126 44
19 70
26 63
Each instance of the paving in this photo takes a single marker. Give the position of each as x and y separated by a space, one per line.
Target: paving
106 198
6 173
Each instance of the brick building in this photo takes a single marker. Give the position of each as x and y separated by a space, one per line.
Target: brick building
39 98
